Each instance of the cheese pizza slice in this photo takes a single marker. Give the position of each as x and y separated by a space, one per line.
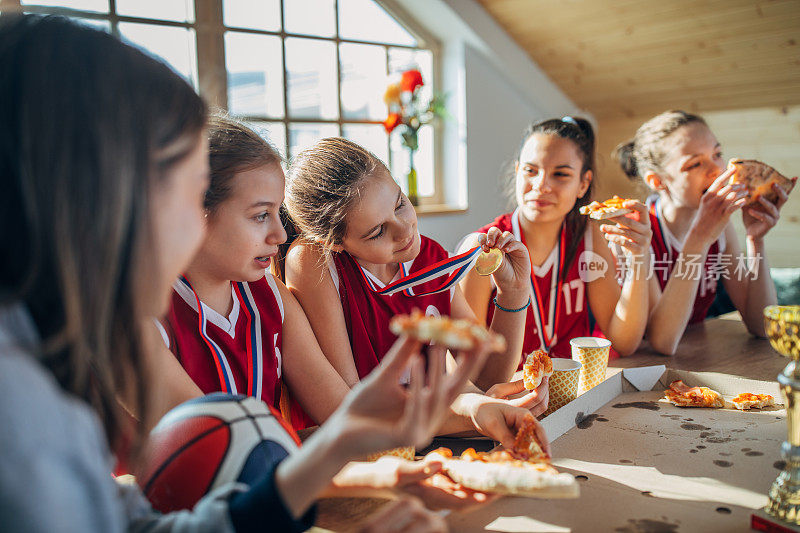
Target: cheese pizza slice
453 333
759 178
609 209
682 395
747 400
537 365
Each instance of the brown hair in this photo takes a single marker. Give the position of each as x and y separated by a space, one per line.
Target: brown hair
579 131
645 153
81 150
322 184
233 148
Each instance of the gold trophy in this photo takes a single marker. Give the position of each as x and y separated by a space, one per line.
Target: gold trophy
782 324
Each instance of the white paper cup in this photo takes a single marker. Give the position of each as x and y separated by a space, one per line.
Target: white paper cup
563 383
592 352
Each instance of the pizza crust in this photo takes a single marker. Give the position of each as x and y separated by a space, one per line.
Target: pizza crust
453 333
758 177
516 478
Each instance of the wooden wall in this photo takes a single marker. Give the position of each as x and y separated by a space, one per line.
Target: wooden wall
769 134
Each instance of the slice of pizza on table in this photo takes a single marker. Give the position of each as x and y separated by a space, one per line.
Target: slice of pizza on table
759 178
683 395
748 400
525 470
608 209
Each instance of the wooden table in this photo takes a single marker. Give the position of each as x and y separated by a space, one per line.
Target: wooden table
717 345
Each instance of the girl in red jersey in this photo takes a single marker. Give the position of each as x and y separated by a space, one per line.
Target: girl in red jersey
231 324
694 243
572 268
359 235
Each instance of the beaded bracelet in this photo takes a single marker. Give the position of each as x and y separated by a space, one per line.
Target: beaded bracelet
507 310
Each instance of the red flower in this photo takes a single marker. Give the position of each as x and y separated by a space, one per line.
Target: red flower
411 80
391 122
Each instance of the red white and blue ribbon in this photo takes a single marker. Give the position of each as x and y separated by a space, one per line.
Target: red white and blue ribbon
659 231
546 338
255 358
455 268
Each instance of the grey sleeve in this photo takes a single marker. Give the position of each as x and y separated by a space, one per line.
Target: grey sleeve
55 474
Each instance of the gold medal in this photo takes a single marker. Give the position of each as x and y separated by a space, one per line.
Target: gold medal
489 262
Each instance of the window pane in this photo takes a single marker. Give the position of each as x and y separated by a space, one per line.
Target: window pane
363 81
253 14
401 59
364 20
302 136
177 10
311 69
97 6
273 132
310 17
176 46
255 74
423 161
370 136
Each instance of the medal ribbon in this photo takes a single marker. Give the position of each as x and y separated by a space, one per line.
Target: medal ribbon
255 359
456 267
555 293
658 229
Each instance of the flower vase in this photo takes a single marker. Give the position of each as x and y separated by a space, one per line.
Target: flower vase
411 180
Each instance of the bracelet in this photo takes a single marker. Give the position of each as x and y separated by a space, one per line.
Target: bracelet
507 310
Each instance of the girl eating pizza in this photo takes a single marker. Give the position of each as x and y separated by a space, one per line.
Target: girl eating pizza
694 244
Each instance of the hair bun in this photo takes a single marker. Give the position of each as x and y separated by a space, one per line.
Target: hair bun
624 155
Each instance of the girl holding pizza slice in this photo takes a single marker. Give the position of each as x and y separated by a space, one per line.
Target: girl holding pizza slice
361 260
694 243
572 268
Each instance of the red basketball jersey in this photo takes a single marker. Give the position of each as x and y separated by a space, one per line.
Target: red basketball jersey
572 319
666 249
230 335
367 313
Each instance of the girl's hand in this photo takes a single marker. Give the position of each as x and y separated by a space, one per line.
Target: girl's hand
716 207
631 231
535 401
514 274
406 515
758 220
499 420
380 413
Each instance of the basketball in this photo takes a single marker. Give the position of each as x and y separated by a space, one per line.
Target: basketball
207 442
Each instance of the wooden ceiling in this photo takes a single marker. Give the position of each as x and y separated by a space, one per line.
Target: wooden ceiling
621 58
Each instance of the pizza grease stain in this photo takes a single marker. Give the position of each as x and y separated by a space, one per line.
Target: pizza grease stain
646 493
694 427
723 510
625 461
692 451
582 477
780 465
746 449
737 430
724 454
650 406
723 464
754 454
701 447
585 422
710 438
646 525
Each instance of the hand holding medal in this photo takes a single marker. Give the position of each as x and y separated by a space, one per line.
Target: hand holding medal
504 258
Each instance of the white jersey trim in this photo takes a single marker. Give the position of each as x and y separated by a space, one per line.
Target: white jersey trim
162 331
276 292
228 325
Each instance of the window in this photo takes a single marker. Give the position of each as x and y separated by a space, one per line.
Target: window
295 70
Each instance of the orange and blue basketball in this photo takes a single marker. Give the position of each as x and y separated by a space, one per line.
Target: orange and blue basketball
207 442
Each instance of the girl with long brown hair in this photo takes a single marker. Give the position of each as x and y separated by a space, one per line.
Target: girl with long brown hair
104 166
553 177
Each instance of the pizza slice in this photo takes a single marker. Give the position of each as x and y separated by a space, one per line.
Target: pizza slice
682 395
501 473
537 365
748 400
609 209
526 446
453 333
759 178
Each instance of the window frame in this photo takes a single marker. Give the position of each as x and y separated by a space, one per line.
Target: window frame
212 78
